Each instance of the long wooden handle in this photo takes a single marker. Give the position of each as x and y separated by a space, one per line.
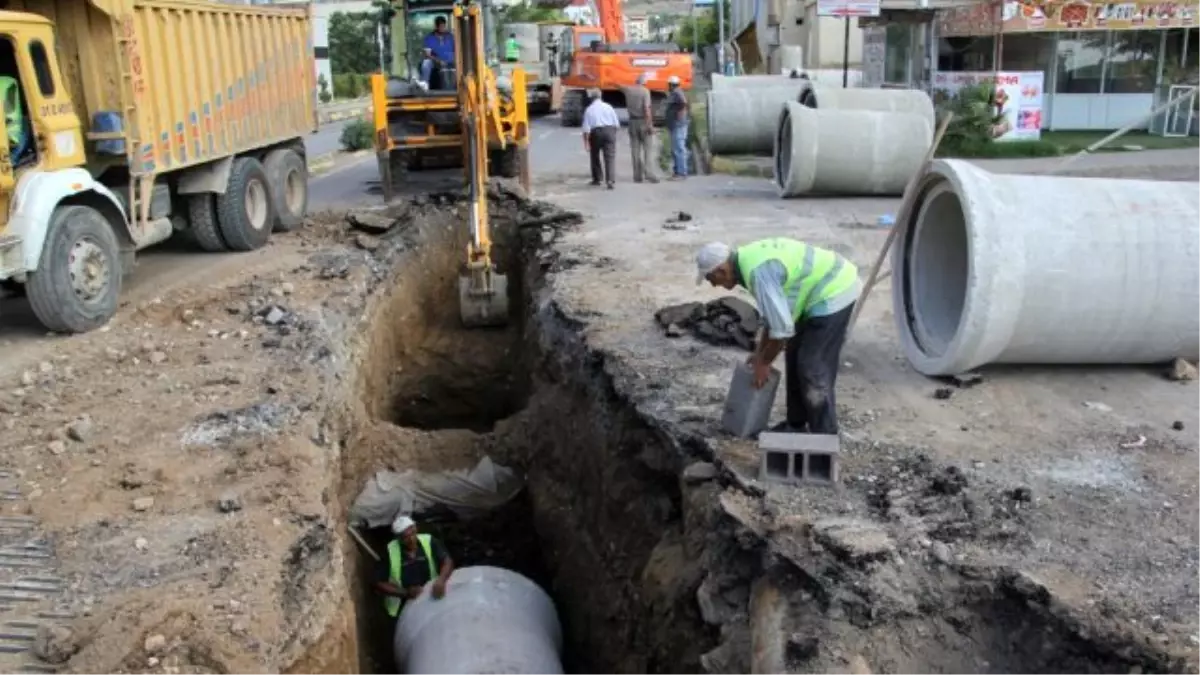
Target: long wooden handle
901 224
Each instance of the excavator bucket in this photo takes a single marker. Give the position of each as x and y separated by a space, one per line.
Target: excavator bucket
483 299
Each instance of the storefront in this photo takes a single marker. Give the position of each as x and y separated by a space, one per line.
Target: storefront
1104 65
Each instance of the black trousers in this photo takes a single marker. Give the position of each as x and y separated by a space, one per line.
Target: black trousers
602 141
813 356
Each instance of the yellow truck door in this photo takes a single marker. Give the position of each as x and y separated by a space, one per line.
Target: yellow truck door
56 126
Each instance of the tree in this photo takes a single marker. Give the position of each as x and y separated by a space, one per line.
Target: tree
701 29
353 46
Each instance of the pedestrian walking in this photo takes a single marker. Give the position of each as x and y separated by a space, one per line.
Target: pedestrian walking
641 130
806 295
677 126
600 126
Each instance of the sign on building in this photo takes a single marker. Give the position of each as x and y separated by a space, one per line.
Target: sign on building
1018 100
847 8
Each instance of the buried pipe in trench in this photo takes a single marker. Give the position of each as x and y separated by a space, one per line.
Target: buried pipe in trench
997 268
491 620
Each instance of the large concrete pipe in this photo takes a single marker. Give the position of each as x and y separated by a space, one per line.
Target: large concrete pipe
742 121
491 620
723 82
864 152
998 268
527 38
889 100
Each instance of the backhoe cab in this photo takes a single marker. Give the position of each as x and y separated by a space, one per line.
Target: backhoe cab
419 112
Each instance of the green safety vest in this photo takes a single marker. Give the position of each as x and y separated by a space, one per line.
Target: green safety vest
512 49
396 567
813 274
10 96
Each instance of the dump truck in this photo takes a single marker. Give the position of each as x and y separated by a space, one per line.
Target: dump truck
130 120
539 61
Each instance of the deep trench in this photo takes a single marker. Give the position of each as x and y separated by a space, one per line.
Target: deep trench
607 527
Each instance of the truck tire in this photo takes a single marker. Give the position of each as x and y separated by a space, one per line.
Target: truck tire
287 175
78 279
505 163
202 222
244 211
571 114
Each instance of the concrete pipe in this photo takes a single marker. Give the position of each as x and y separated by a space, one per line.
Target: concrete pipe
491 620
723 82
742 121
863 152
527 38
887 100
998 268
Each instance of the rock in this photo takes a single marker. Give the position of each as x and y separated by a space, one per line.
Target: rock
1020 494
366 243
229 502
141 544
54 644
27 379
80 430
1029 587
370 222
157 357
287 287
853 539
943 393
680 315
857 665
45 367
155 643
1181 371
801 647
699 472
238 628
143 503
1177 425
674 331
274 316
714 608
56 447
941 552
966 380
746 314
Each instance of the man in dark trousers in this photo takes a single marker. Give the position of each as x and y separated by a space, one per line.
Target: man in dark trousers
641 130
413 560
600 127
806 296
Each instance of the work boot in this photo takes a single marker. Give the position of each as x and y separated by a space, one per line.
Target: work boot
610 186
785 428
652 181
595 183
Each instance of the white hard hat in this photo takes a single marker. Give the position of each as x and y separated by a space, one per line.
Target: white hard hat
674 79
710 257
402 523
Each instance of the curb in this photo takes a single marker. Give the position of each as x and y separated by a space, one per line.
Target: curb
322 164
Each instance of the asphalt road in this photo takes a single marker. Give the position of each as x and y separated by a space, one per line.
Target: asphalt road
326 140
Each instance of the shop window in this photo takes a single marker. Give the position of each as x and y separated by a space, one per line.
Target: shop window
966 54
1181 59
1028 53
898 53
1081 62
1132 61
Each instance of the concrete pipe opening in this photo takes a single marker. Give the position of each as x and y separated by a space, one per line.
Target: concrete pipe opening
940 265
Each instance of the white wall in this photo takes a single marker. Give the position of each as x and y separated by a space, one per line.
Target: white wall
821 38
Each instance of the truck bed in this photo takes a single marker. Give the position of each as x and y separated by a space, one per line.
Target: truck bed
189 81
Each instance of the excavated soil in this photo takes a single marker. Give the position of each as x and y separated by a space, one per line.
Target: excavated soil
251 414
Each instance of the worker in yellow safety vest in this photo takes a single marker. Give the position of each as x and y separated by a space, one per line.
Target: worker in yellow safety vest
413 561
806 296
512 49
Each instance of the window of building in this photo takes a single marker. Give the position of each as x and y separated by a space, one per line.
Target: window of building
1181 58
41 68
897 53
1028 53
966 54
1081 62
1132 61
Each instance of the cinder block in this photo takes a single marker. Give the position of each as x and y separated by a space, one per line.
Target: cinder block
799 458
747 410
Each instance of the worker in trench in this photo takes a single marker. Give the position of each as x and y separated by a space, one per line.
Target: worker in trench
413 560
806 295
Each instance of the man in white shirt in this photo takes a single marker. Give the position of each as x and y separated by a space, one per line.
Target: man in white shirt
600 127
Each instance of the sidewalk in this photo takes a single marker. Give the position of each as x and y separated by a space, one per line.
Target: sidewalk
340 110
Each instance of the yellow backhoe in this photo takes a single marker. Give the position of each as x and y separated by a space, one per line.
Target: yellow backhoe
468 110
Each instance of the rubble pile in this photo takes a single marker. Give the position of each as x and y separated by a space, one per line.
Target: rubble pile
725 321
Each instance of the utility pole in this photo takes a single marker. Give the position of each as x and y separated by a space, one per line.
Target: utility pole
720 7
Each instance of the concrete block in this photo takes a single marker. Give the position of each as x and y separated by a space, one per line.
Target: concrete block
747 410
799 458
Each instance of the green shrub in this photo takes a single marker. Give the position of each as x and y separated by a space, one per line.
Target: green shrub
970 133
357 135
323 93
351 85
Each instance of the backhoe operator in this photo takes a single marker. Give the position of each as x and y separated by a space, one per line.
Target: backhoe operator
439 53
413 560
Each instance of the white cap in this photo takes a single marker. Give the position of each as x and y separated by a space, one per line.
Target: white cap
710 257
674 79
402 523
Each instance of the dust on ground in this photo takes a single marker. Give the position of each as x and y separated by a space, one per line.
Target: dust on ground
1081 482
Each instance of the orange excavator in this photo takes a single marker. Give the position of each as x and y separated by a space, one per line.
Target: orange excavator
597 56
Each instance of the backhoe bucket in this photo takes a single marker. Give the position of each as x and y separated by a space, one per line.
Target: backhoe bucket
483 304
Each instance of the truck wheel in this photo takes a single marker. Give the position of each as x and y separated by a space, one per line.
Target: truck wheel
505 162
202 222
244 212
78 278
288 177
571 114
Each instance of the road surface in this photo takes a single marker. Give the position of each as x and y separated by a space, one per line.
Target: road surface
326 140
